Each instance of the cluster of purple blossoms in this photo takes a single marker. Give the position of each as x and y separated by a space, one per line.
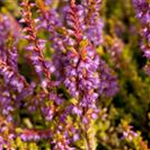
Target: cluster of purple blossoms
12 78
5 97
94 24
84 70
63 145
83 23
75 63
14 87
9 68
129 133
85 75
142 8
108 86
6 104
9 57
8 54
8 51
36 45
50 21
81 77
35 135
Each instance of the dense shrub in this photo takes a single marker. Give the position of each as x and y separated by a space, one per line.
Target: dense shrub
74 75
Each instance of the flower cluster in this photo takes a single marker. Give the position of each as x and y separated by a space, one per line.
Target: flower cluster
134 137
9 69
36 45
94 24
35 135
8 51
66 85
85 73
143 14
108 85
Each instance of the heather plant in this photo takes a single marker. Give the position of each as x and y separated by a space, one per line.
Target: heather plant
71 75
142 13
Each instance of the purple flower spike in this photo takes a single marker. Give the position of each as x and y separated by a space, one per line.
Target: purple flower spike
142 8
